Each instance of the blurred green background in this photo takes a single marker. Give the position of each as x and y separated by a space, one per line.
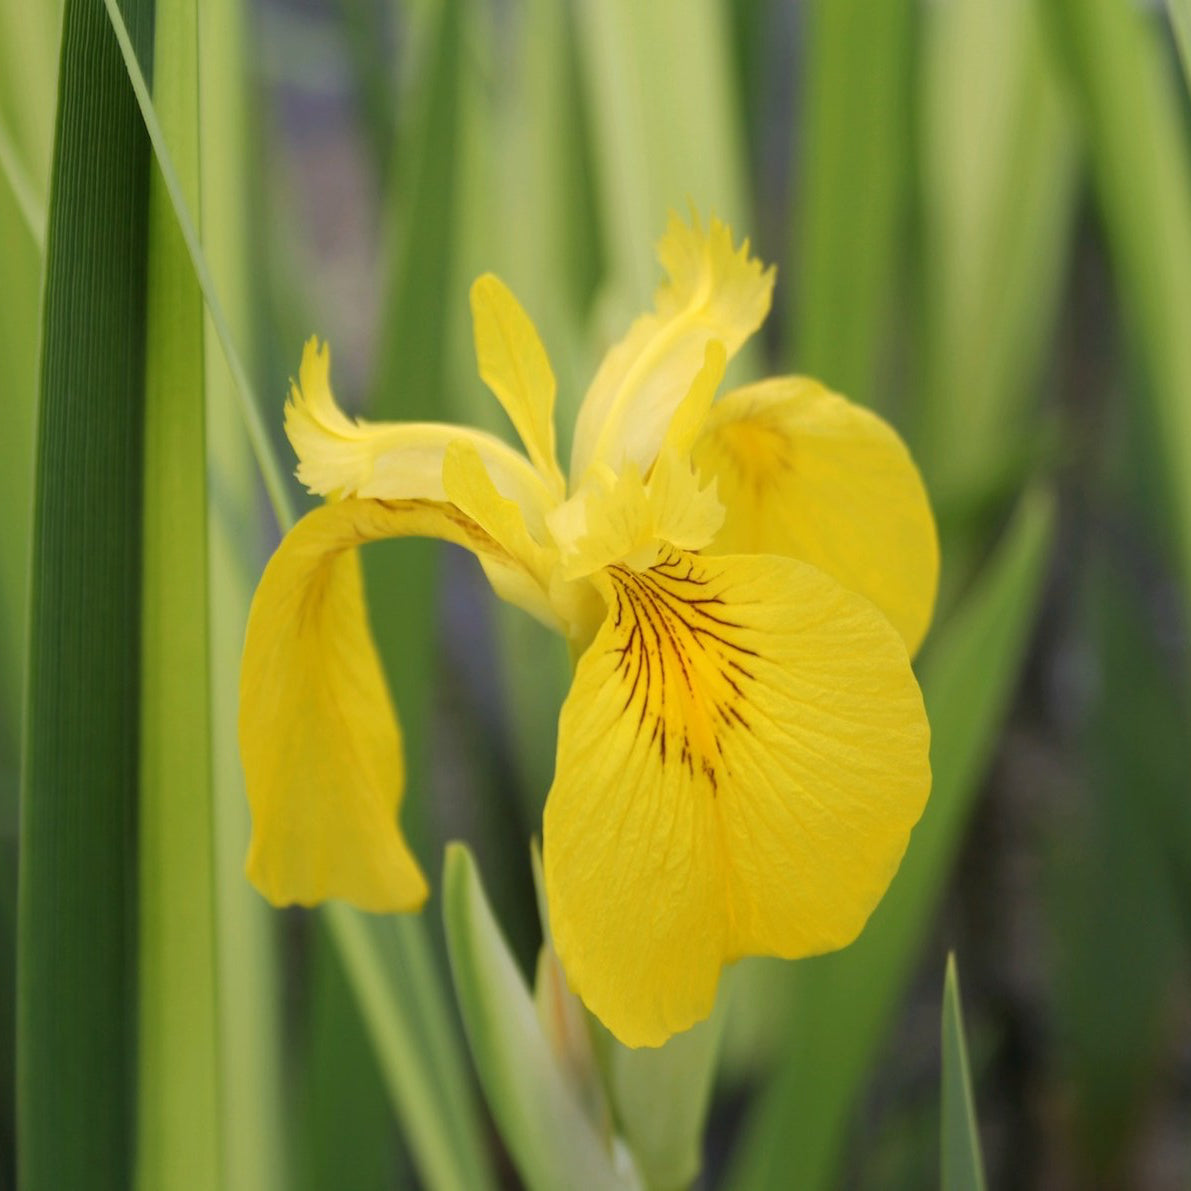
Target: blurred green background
981 214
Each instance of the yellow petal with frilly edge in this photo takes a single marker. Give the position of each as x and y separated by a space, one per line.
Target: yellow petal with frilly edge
318 735
714 291
741 758
804 472
340 456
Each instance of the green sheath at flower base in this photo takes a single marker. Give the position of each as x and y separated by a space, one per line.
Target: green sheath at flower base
743 751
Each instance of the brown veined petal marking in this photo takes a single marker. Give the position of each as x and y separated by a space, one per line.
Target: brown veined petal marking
741 757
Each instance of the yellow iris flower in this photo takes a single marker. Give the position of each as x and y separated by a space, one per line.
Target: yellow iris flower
743 581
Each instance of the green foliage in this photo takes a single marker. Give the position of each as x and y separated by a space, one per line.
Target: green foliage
962 1166
178 1125
850 215
76 948
551 1139
934 265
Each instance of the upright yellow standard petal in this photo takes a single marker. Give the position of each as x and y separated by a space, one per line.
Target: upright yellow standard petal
740 761
803 472
318 736
714 291
514 365
340 456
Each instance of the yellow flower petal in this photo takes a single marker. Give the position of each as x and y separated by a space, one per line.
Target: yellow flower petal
318 736
740 761
714 292
340 456
622 518
525 582
687 422
514 365
804 472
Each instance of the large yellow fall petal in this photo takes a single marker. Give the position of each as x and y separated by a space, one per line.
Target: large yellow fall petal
514 365
340 456
741 758
318 736
803 472
714 292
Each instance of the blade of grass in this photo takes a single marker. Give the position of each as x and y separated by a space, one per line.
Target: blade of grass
266 459
1142 172
30 40
21 186
999 161
404 1008
550 1137
409 383
345 1137
393 971
76 941
842 1003
1180 19
961 1160
20 266
852 201
1116 961
255 1153
665 128
179 1143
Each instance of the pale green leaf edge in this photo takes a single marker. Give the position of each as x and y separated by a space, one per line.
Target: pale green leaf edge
550 1139
961 1159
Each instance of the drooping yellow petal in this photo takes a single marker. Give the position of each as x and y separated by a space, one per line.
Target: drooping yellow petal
340 456
741 758
714 292
318 736
804 472
524 581
514 365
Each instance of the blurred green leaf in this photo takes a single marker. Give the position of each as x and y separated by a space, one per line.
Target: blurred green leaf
250 1028
998 168
1138 148
661 1096
841 1005
404 1012
665 127
21 187
266 459
30 39
345 1135
549 1137
179 1143
1116 960
394 974
76 941
962 1164
851 197
1180 18
408 385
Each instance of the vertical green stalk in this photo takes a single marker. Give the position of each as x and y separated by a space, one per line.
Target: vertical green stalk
249 989
851 199
179 1144
665 126
1138 147
998 187
961 1160
76 943
409 382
